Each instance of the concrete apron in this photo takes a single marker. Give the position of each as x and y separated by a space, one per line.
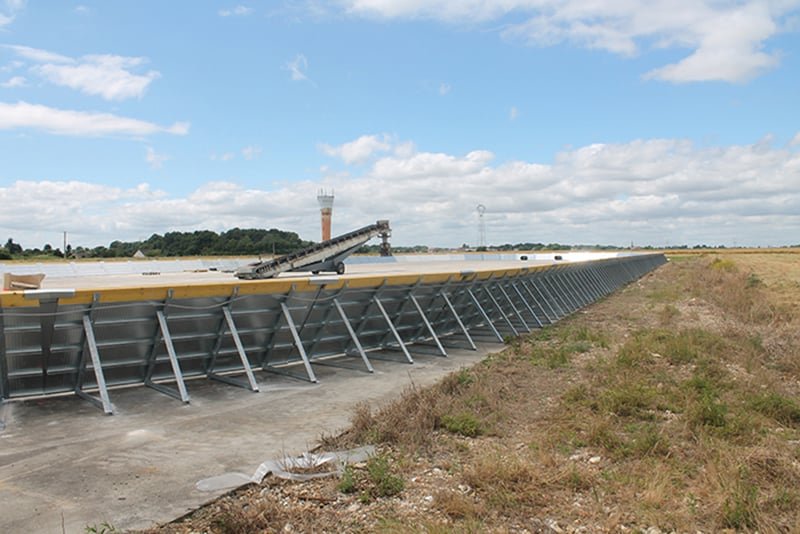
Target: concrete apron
64 465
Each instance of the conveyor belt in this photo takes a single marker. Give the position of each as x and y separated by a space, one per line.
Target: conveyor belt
325 256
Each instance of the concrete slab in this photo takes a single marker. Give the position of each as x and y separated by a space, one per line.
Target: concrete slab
63 464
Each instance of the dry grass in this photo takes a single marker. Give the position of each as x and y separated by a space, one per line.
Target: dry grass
672 404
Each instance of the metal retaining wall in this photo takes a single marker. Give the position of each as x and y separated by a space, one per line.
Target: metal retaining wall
88 342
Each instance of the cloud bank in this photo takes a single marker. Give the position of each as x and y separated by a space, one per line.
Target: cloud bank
23 116
108 76
655 191
726 40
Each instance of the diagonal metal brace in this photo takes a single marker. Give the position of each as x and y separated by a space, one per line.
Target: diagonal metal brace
251 379
353 335
104 402
182 395
459 321
428 325
485 316
298 343
393 329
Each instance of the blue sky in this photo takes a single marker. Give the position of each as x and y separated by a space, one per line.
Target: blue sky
616 121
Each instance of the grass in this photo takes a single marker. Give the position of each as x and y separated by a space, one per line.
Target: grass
102 528
778 407
383 482
464 424
376 480
671 404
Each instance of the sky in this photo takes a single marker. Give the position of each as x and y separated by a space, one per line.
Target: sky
653 122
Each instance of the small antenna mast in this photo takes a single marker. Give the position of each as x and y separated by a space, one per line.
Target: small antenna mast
481 225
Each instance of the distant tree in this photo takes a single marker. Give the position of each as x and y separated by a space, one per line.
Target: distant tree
13 248
205 243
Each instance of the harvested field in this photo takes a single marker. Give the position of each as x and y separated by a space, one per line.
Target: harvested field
673 405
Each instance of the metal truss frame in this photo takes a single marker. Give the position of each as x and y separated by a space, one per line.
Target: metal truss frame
55 347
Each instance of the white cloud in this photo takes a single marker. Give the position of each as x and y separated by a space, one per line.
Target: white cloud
726 39
23 115
358 151
728 50
108 76
795 140
444 88
12 66
38 55
298 67
653 191
239 11
513 113
225 156
251 152
16 81
104 76
154 159
83 10
12 7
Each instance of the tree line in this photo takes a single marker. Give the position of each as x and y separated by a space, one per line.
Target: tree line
255 242
237 241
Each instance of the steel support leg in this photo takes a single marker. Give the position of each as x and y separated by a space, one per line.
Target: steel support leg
298 343
557 293
251 384
105 402
577 289
458 320
561 282
485 316
353 336
552 317
393 329
587 285
525 302
551 300
428 325
182 394
4 385
500 310
516 311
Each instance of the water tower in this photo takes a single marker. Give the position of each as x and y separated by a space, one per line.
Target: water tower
325 200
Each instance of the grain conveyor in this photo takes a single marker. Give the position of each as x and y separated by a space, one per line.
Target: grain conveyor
325 256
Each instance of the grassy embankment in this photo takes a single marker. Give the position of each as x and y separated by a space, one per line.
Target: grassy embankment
672 404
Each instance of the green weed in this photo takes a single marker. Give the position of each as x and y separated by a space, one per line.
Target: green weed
707 412
740 509
384 483
774 405
464 424
347 484
103 528
629 399
724 265
754 281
